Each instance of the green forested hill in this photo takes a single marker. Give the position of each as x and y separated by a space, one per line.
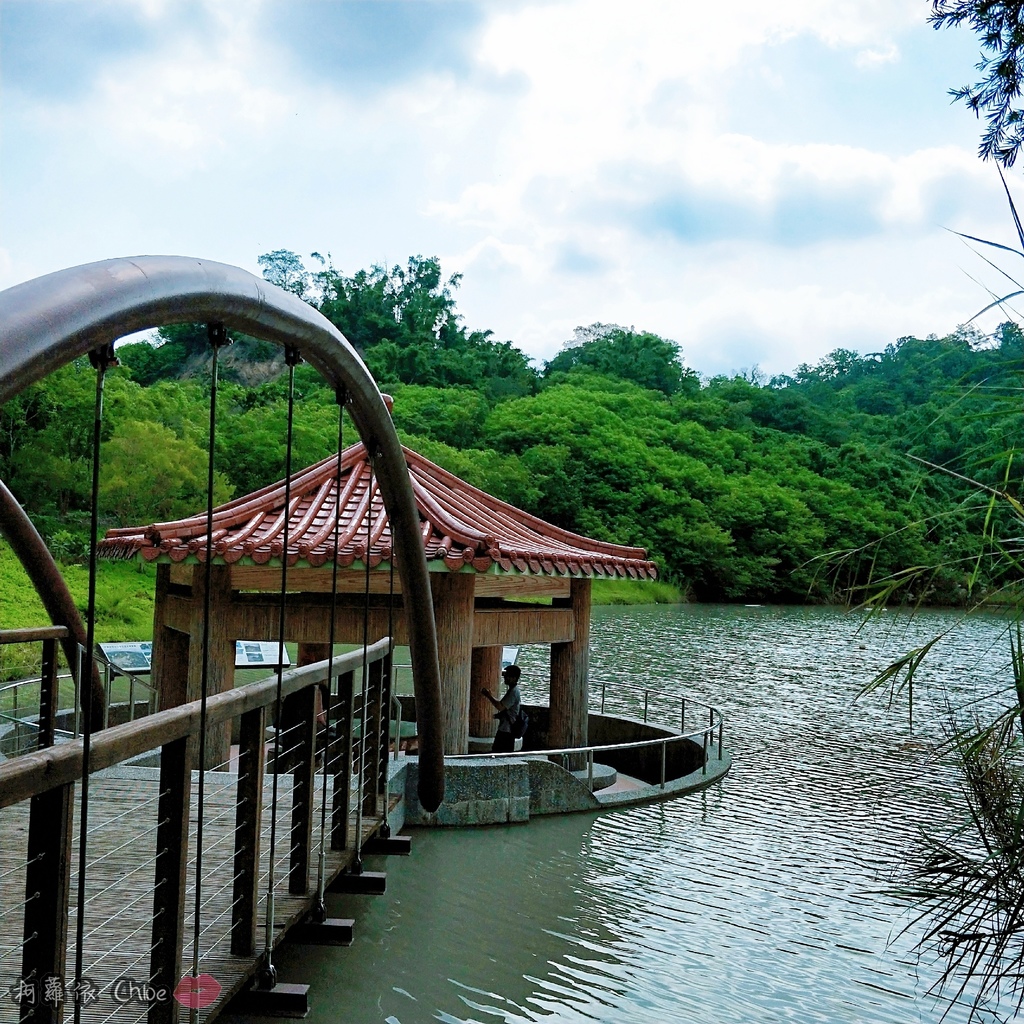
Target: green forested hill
737 486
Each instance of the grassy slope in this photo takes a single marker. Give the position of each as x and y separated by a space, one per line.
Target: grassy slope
124 597
635 592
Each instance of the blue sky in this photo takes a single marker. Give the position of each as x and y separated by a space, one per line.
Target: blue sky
762 183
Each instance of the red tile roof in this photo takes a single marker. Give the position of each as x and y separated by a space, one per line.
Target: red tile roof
461 526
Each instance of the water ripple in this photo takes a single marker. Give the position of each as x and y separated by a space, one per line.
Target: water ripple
762 899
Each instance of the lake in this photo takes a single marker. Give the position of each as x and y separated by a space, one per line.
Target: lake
760 899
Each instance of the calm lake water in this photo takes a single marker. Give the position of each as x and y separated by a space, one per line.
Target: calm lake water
760 899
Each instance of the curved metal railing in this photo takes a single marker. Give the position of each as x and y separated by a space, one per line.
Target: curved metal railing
706 736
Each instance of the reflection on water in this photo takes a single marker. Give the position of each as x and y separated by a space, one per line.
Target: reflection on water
757 900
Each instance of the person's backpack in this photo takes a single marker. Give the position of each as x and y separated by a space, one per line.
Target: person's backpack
520 724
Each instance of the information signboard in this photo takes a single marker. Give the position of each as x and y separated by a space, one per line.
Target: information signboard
136 657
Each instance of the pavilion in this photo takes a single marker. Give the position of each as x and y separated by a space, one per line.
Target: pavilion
483 555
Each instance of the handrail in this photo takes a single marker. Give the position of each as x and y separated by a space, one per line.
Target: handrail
32 634
706 734
597 748
42 770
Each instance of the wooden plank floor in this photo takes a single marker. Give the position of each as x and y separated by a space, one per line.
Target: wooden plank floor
121 851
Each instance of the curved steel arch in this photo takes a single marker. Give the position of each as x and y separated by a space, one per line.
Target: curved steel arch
47 322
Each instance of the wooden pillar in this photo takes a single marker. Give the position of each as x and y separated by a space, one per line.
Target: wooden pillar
170 649
221 663
569 666
486 672
300 710
170 877
310 654
248 814
48 869
339 760
452 593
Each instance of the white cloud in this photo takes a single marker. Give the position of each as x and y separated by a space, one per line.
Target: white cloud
579 161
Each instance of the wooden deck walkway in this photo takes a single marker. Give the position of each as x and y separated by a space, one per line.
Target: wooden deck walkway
121 852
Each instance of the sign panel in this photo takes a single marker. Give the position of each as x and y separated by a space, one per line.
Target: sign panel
136 657
132 657
258 654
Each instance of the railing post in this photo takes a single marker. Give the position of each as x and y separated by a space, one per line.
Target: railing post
647 694
664 744
371 734
48 703
48 871
384 713
106 686
302 717
704 759
170 877
248 812
590 768
340 755
397 704
719 737
603 685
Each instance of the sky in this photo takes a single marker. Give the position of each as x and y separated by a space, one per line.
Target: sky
762 183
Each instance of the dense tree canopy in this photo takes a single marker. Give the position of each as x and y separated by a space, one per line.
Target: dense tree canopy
737 486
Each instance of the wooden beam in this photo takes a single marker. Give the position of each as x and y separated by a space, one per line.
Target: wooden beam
266 579
308 618
532 624
512 585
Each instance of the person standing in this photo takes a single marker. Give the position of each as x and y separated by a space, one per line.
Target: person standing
508 709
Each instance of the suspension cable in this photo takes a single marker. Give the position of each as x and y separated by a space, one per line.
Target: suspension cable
320 911
101 359
268 974
217 334
357 865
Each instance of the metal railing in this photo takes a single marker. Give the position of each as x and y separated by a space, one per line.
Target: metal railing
110 673
21 714
139 840
707 736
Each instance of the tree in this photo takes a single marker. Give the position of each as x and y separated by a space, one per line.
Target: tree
645 358
285 269
150 475
1000 26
